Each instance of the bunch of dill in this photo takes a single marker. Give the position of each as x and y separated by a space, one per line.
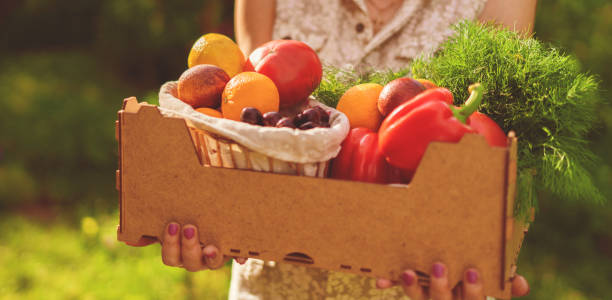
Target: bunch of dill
532 88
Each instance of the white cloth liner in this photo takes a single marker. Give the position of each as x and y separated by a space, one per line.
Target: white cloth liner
286 144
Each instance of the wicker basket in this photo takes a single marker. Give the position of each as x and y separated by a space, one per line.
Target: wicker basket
217 151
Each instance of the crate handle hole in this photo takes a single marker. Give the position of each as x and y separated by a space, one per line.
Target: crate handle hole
298 257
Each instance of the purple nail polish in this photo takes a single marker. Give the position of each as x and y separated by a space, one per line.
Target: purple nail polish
172 229
188 232
438 270
408 278
472 276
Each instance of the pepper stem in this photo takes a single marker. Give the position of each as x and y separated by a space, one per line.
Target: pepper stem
471 104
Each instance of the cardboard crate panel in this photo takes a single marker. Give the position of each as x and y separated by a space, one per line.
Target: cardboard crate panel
457 209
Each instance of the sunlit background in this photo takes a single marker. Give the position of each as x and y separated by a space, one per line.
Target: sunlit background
65 67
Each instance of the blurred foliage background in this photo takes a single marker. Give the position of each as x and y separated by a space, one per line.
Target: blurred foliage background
65 67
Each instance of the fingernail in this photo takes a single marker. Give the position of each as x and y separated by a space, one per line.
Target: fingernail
211 255
172 229
472 276
438 270
188 232
408 278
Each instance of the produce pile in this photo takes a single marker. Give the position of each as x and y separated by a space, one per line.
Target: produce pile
531 88
484 80
267 89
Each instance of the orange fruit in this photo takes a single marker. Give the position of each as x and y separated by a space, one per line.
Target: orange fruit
210 112
249 89
202 85
359 104
219 50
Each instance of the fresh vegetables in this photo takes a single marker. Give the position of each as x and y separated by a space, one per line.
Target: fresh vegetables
408 130
486 127
532 88
360 159
398 146
535 90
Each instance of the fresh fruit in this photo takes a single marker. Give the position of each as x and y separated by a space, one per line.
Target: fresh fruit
286 122
202 86
219 50
307 119
292 65
427 84
307 125
210 112
323 114
248 89
309 115
251 115
359 105
397 92
271 118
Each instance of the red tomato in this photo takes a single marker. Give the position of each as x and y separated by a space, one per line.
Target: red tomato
292 65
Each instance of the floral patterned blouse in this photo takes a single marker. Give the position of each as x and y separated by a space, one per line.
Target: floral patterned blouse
342 34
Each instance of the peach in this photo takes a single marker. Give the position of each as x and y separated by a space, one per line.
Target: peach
202 86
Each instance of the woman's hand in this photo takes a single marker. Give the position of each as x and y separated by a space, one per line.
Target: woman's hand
181 248
438 289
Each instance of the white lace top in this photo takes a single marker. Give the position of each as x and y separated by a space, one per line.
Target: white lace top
341 32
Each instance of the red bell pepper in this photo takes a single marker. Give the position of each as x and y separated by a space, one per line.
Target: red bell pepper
405 134
436 94
360 159
486 127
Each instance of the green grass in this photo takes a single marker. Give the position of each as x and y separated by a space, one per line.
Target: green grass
60 260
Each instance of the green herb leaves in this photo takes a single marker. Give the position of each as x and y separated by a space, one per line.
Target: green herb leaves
534 90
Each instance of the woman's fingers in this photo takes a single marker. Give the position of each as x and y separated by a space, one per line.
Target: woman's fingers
520 287
438 287
472 285
171 247
382 283
191 250
214 260
411 286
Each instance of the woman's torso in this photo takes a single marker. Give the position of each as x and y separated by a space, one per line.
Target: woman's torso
342 33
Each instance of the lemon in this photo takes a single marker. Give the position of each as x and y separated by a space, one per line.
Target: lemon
219 50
